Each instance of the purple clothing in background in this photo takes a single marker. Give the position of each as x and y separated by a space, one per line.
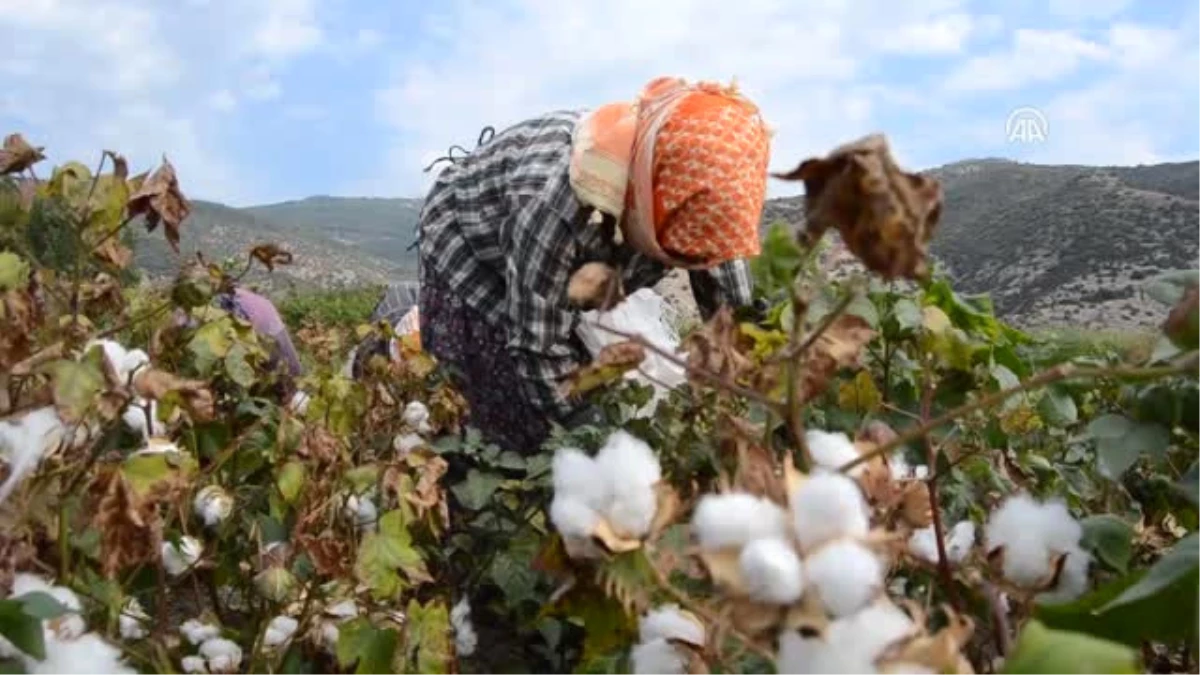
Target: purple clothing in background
266 320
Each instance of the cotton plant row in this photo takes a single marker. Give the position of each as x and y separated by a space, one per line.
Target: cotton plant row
810 574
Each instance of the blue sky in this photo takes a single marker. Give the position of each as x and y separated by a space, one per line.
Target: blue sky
257 101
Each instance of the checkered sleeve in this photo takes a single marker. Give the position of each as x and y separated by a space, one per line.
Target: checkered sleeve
729 283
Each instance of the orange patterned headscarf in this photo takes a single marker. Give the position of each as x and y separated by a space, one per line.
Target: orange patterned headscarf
684 167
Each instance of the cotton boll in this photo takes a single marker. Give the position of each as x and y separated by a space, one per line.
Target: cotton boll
736 518
632 510
771 571
958 541
669 622
846 575
573 518
194 664
65 628
198 632
223 656
800 654
406 443
132 621
212 505
1073 581
416 415
1031 533
279 632
827 506
328 636
658 656
89 653
627 462
465 639
831 450
871 630
135 360
178 559
343 609
28 439
135 417
361 510
299 402
25 582
578 476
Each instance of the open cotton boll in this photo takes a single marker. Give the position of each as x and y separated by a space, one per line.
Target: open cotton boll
831 449
416 415
1072 581
25 582
406 443
959 540
132 621
279 632
627 462
800 654
771 571
1031 534
198 632
827 506
25 441
212 505
632 510
222 656
465 639
669 622
141 416
872 630
178 559
734 519
846 574
658 656
194 664
88 653
361 510
572 517
578 476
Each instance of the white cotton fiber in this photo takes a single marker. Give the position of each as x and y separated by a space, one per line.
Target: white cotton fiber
848 645
846 574
178 559
735 518
632 511
802 655
827 506
88 653
1073 581
1031 534
771 571
577 475
668 622
194 665
132 621
279 632
959 541
212 505
197 632
573 518
658 656
465 638
223 656
24 582
830 450
628 463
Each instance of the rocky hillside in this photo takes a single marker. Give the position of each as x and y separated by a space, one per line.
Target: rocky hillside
1051 244
1061 244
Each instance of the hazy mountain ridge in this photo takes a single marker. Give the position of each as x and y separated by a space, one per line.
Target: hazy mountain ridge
1052 244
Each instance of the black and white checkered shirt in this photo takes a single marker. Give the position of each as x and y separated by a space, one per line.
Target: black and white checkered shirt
503 227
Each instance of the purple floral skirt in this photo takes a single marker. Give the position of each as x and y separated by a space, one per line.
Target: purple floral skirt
474 351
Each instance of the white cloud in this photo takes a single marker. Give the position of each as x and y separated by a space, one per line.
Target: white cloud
223 101
288 28
306 112
1034 56
940 35
1078 10
368 38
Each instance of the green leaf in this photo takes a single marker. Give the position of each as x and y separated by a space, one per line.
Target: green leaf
371 648
238 368
1120 442
291 481
11 666
1046 650
427 643
383 554
1182 561
1189 485
145 472
862 307
21 629
1057 408
77 383
211 343
14 271
1110 539
361 478
908 314
41 605
475 492
1169 287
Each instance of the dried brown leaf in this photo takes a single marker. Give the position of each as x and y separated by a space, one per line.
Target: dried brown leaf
17 155
330 554
320 444
915 506
114 253
755 618
757 472
427 494
724 569
610 365
718 348
130 530
159 199
120 166
941 652
20 316
668 505
838 347
885 215
196 395
271 255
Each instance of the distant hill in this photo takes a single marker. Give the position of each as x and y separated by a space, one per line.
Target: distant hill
1051 244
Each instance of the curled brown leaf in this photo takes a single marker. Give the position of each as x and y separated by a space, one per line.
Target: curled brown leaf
17 155
718 348
610 364
839 346
271 255
160 200
886 216
130 529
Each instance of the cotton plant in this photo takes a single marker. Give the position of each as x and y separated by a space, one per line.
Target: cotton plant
69 646
613 497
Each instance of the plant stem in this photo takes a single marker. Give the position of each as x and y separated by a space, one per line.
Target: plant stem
939 531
